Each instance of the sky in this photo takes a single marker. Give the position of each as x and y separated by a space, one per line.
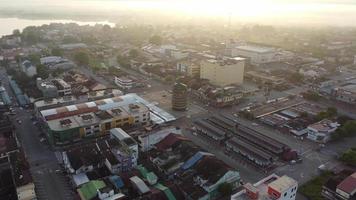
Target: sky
330 12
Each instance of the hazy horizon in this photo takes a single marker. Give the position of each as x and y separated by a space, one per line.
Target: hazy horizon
281 12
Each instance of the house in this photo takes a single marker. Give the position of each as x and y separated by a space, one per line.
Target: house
139 185
201 181
82 159
347 188
272 187
341 186
28 68
151 137
322 130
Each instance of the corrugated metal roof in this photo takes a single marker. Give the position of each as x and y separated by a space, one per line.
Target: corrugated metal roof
72 108
119 133
194 159
141 186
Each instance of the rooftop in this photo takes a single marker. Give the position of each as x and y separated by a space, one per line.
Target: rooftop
324 125
272 180
348 185
255 48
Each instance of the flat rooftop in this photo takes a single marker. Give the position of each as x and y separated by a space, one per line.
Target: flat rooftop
256 48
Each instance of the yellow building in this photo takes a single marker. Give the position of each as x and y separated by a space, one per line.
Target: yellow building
224 71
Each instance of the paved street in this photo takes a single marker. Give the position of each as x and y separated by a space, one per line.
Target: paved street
49 181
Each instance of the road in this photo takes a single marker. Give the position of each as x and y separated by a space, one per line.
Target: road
50 182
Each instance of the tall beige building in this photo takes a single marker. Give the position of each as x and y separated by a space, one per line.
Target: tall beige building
223 72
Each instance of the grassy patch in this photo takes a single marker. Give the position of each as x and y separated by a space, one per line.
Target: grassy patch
312 189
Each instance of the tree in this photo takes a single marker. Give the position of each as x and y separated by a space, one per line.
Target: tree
35 59
312 96
349 157
16 32
169 78
156 39
57 52
330 112
225 189
133 53
348 129
82 58
42 71
295 78
123 61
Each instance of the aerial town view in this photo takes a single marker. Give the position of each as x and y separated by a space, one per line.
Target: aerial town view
177 100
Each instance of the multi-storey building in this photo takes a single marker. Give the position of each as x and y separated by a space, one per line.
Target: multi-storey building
124 82
74 122
63 87
322 131
272 187
223 72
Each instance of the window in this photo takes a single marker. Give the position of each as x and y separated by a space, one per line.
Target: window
107 125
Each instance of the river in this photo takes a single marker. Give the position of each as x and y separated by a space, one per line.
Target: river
7 25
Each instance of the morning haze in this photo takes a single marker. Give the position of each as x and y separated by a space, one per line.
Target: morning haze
177 100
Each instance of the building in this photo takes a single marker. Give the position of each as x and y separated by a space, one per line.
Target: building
129 145
63 87
203 176
4 96
272 187
148 139
264 78
223 72
345 93
188 68
56 62
322 131
74 122
124 82
118 154
48 89
180 97
258 55
28 68
340 187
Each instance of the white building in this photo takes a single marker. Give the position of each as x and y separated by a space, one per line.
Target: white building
260 54
280 188
127 141
188 68
223 72
28 68
322 131
63 88
149 139
124 82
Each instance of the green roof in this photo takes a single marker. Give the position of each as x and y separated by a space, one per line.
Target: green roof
149 176
166 191
142 170
89 190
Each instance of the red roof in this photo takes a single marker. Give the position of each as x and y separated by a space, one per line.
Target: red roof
169 141
349 184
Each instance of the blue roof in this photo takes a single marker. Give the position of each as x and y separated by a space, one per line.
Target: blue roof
116 181
194 159
4 96
27 63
